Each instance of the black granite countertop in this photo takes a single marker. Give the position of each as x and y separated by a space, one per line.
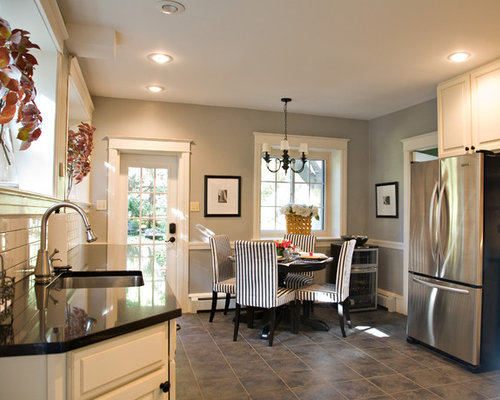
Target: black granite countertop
46 319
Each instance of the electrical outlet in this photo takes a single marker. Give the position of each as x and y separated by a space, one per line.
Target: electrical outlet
101 205
194 206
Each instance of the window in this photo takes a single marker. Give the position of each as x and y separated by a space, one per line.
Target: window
278 189
323 183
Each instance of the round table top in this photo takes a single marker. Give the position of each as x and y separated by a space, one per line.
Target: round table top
303 265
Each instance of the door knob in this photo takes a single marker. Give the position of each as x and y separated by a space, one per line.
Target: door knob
171 240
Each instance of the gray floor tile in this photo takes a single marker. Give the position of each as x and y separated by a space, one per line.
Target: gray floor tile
456 391
227 388
394 383
262 382
318 392
358 389
282 394
296 379
485 386
421 394
369 368
428 377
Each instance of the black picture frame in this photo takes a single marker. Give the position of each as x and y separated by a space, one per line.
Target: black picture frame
386 200
222 196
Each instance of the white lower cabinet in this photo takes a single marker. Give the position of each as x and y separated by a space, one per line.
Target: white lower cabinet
137 365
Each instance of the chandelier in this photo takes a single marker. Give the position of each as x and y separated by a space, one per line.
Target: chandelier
285 161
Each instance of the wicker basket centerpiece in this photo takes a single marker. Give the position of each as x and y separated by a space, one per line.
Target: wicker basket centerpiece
298 218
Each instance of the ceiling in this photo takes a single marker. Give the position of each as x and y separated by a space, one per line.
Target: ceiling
346 58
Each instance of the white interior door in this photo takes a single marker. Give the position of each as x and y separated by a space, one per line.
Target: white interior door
147 218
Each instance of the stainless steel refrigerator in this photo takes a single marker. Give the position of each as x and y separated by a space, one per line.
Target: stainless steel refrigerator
454 264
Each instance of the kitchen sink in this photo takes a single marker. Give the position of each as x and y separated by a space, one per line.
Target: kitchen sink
97 279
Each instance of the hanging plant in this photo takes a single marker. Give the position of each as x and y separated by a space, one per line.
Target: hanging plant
17 88
80 145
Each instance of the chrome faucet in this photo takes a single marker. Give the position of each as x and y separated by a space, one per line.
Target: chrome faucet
42 269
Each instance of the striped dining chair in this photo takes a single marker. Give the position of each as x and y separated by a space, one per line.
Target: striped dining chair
257 282
223 277
337 292
295 280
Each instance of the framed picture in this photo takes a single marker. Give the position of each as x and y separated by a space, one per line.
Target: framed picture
386 198
222 196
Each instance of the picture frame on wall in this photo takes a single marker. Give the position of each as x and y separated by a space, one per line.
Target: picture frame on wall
386 200
222 196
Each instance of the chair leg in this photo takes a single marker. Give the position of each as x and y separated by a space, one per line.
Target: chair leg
272 325
347 313
236 322
214 306
250 317
226 306
340 310
294 323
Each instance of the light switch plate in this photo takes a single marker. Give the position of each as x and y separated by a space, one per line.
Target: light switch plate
194 206
101 205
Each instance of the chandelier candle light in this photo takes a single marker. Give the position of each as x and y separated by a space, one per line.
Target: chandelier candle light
285 161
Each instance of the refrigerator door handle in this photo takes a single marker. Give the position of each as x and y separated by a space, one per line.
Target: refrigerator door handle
433 222
442 287
444 226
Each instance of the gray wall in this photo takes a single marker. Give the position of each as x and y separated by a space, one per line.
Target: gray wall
386 165
223 145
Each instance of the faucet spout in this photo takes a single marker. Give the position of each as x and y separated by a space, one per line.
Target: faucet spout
42 269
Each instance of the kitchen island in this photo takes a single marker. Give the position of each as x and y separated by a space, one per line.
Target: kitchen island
93 342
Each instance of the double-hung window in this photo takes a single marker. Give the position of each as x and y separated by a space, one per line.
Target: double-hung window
322 183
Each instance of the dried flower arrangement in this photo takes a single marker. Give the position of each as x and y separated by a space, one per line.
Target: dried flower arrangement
80 146
17 88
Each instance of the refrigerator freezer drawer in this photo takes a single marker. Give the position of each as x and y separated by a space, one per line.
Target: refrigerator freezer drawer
445 316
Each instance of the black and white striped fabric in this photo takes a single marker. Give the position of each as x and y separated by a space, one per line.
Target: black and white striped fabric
223 276
295 280
329 292
257 276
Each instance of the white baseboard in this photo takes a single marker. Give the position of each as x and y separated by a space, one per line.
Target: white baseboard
203 302
391 301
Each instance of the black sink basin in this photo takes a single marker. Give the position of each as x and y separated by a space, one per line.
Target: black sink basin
97 279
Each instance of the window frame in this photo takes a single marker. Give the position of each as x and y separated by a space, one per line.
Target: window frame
335 184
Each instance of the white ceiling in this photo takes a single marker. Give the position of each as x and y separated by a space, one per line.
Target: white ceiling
348 58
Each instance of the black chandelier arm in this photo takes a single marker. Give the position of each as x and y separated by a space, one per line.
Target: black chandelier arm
267 159
304 160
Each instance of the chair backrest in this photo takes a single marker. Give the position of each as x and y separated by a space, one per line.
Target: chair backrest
256 274
222 266
303 242
344 269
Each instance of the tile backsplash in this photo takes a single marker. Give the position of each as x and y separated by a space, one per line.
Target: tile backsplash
20 241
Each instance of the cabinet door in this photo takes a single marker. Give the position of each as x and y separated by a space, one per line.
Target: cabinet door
454 116
485 86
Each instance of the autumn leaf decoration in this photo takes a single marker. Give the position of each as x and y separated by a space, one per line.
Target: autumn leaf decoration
17 88
80 145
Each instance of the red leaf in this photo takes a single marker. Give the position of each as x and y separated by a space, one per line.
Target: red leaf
4 57
11 98
8 113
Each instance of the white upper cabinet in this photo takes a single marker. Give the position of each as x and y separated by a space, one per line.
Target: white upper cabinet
469 112
485 91
454 131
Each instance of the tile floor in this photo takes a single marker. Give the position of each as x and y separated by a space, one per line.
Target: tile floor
373 362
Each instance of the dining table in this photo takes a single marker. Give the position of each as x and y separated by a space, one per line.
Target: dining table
299 263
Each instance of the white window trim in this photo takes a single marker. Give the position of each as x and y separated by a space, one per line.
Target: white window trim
336 176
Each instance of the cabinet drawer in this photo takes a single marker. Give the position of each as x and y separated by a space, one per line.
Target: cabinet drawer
105 366
145 388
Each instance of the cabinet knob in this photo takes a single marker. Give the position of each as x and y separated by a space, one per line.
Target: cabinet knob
466 149
165 386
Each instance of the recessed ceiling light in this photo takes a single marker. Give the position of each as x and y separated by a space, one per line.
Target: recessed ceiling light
459 56
171 7
160 58
155 88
